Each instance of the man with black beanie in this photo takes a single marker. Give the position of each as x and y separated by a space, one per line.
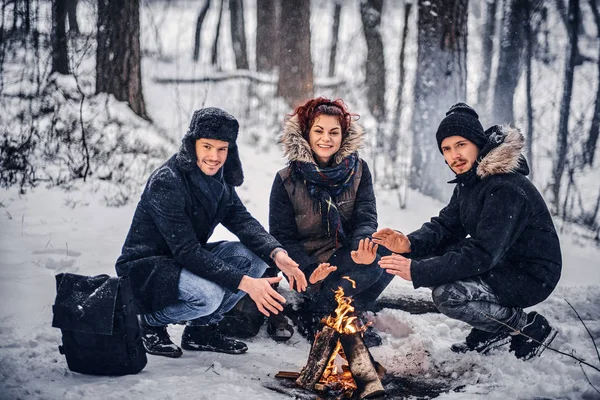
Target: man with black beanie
175 273
493 250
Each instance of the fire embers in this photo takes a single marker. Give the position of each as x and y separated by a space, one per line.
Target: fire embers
339 363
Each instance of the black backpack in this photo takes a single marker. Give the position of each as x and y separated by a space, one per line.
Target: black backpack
100 331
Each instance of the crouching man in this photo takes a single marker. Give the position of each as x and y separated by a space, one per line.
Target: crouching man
175 274
493 250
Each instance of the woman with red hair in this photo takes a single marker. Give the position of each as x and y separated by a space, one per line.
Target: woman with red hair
322 210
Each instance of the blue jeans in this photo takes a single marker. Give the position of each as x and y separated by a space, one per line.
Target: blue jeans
473 301
203 302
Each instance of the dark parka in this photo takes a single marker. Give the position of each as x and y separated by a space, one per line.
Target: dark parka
293 219
174 220
496 226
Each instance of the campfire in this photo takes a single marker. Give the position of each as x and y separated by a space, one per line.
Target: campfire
339 362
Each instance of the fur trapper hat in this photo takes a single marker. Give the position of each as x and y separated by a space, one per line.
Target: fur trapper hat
213 123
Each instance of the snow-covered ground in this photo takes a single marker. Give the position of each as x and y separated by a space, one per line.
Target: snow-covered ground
50 231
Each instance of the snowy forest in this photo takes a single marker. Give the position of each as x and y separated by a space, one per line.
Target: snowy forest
96 94
532 64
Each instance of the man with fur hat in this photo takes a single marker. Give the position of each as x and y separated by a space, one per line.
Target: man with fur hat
175 273
493 250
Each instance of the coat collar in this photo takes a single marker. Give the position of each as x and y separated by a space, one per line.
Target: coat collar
296 148
502 152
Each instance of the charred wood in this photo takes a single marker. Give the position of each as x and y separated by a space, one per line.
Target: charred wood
320 353
362 366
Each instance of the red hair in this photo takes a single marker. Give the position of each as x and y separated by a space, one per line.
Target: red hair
309 111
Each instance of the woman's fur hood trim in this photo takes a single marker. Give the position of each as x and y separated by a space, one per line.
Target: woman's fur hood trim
505 157
296 148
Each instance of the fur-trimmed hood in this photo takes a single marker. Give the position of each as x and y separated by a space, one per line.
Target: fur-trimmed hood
296 148
502 152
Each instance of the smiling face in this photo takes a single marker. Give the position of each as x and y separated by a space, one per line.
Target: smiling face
211 154
325 138
460 153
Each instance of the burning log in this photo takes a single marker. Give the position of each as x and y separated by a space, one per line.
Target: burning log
320 354
362 366
340 340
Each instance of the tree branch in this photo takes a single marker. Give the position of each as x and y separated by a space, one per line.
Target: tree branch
537 341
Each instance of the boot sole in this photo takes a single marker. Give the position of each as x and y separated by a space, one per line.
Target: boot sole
169 355
546 343
494 345
210 348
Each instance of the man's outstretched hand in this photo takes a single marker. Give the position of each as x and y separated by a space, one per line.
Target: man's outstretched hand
397 265
395 241
291 270
262 293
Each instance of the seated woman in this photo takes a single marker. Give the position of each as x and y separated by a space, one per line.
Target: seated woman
322 209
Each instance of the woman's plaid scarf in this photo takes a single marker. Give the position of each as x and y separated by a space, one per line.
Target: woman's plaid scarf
325 184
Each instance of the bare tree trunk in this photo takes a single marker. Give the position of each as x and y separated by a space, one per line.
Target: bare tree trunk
2 45
238 33
335 29
215 49
440 82
530 39
590 145
370 12
511 51
563 12
72 14
15 16
395 138
27 17
487 47
399 172
60 57
118 55
267 34
197 36
295 83
565 106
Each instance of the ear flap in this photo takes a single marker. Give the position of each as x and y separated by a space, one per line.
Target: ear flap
232 169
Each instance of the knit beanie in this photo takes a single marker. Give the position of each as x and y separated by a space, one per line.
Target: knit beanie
461 120
213 123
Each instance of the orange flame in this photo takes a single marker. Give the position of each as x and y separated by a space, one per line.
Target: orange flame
344 322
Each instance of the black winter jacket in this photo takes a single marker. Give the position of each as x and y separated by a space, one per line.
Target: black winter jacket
496 226
170 230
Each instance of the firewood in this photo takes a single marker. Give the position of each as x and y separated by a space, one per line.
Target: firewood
320 353
361 365
287 375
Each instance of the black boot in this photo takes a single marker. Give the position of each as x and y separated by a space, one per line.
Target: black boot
157 341
481 341
539 335
279 328
208 338
370 336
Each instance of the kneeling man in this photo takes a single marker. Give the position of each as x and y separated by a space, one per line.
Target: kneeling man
493 250
175 274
